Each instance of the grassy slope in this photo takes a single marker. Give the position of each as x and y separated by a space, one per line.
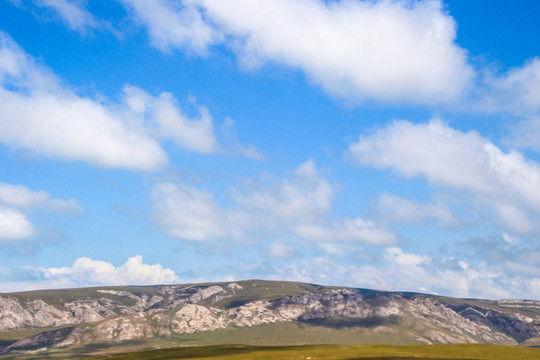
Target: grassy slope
266 335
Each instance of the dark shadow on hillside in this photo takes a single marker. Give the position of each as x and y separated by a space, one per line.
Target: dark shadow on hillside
236 303
343 323
5 342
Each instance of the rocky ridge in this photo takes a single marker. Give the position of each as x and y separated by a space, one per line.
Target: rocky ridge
108 315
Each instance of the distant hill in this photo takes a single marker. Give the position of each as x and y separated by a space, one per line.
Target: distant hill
110 319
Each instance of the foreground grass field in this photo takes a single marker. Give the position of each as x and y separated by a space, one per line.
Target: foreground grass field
336 352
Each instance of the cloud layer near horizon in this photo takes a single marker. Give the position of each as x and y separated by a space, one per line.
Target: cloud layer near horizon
88 272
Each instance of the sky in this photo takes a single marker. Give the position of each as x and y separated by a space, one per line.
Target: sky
382 144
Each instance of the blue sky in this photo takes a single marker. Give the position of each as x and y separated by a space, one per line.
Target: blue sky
379 144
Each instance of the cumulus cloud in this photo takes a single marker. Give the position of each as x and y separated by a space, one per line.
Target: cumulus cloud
385 50
22 197
14 225
299 204
463 161
42 116
89 272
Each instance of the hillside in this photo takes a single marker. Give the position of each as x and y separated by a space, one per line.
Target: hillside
109 319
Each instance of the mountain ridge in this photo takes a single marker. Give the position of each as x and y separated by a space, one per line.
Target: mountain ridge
114 315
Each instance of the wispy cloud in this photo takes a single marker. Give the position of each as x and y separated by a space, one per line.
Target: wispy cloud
174 24
22 197
72 13
395 209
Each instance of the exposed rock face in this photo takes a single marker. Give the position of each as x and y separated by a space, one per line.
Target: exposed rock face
518 326
15 313
195 318
116 316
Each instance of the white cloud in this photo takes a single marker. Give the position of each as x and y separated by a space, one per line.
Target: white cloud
188 213
89 272
399 210
302 196
38 115
18 200
385 50
444 155
174 24
506 182
41 116
132 272
161 117
22 197
14 225
397 256
299 204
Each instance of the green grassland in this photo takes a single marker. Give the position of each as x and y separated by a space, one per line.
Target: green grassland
314 352
345 352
